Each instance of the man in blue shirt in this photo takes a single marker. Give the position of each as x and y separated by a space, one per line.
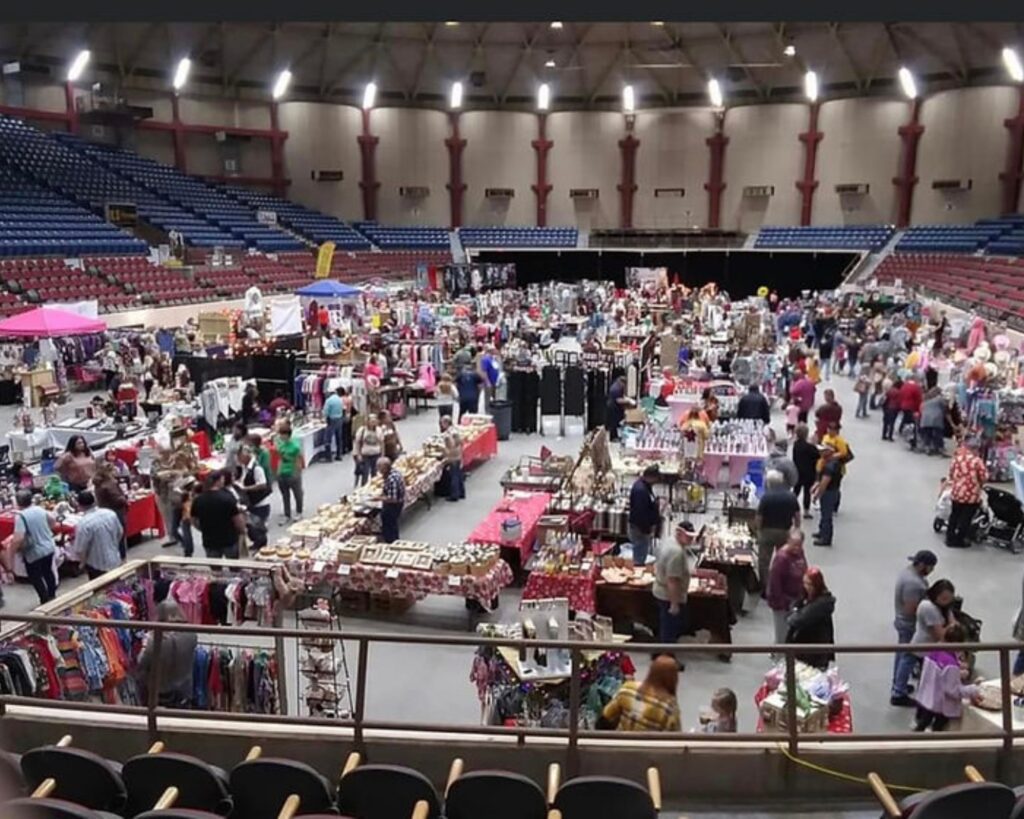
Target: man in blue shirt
334 415
33 537
490 370
644 514
468 383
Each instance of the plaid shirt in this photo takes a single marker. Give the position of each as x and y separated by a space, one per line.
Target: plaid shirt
394 486
636 710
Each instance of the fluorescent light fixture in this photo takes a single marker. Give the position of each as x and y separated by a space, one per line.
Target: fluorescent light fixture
181 73
658 23
284 79
456 97
369 96
1012 62
790 50
79 64
556 24
543 97
549 64
811 86
628 99
907 82
715 93
451 23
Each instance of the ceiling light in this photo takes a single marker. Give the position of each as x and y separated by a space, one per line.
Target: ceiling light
556 24
715 93
451 23
1012 62
181 73
79 64
284 79
549 64
790 50
628 99
811 86
456 97
369 96
907 82
658 23
543 97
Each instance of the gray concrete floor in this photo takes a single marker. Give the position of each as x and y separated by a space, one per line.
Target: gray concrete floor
887 510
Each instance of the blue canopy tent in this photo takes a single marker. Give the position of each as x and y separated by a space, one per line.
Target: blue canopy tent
328 289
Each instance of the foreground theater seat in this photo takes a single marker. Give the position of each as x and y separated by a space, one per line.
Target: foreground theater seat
30 808
494 794
81 777
385 792
587 796
12 780
973 799
260 787
200 786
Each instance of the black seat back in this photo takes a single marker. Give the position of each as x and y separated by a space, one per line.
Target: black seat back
12 780
988 799
385 792
589 796
259 788
46 809
82 777
494 795
176 813
200 786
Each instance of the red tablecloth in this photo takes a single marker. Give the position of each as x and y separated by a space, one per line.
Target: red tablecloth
841 723
580 589
528 509
142 516
482 449
127 453
202 442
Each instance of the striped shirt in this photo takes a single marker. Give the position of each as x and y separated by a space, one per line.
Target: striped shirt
636 710
98 539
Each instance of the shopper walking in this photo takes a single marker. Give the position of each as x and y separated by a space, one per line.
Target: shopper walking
778 512
219 520
967 476
453 459
253 485
911 588
33 537
891 403
911 398
784 582
97 537
810 622
644 514
933 421
805 456
334 417
445 395
671 584
825 355
392 500
289 470
826 491
468 383
831 412
754 406
802 392
367 449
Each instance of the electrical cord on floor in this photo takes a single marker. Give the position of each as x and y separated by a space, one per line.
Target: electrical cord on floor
844 776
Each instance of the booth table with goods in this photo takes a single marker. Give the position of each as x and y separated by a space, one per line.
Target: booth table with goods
823 701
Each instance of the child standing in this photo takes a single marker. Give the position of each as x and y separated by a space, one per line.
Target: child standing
941 691
862 386
792 417
721 719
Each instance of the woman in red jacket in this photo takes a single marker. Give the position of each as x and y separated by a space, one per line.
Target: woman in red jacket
911 398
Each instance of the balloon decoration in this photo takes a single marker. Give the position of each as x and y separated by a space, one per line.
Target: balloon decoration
1001 342
762 292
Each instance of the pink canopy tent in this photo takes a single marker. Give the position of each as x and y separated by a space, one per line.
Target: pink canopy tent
49 322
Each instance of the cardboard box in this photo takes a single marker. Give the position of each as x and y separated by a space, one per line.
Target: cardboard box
636 416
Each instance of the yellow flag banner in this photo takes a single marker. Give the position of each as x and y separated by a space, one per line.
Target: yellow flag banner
323 260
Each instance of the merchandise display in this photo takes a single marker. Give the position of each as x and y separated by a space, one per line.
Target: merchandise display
823 701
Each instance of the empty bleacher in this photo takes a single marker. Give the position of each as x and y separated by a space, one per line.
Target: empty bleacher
153 283
408 237
53 280
832 237
394 264
947 238
989 285
518 237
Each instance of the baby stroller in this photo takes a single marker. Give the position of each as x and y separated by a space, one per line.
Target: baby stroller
944 506
1000 519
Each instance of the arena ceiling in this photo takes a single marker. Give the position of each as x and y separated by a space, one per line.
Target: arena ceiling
502 64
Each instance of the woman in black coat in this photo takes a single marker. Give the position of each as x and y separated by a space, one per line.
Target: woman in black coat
810 622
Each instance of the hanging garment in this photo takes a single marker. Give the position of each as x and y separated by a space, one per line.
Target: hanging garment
575 390
551 391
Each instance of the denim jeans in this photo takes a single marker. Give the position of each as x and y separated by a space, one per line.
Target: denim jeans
457 484
366 468
862 405
389 514
888 423
42 577
290 485
826 368
828 500
181 530
641 543
670 626
335 427
903 665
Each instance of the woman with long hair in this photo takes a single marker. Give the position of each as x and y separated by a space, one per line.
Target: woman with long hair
650 705
77 465
810 622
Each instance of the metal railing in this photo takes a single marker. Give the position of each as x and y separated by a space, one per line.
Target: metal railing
572 736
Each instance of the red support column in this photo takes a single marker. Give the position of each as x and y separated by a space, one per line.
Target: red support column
1011 176
368 184
178 135
456 187
541 146
627 188
810 138
714 186
277 137
69 108
910 135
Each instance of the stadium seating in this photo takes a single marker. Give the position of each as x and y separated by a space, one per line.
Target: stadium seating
518 237
395 264
49 280
836 237
386 236
989 285
153 283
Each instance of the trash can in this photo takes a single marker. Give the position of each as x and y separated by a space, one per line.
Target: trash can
501 412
